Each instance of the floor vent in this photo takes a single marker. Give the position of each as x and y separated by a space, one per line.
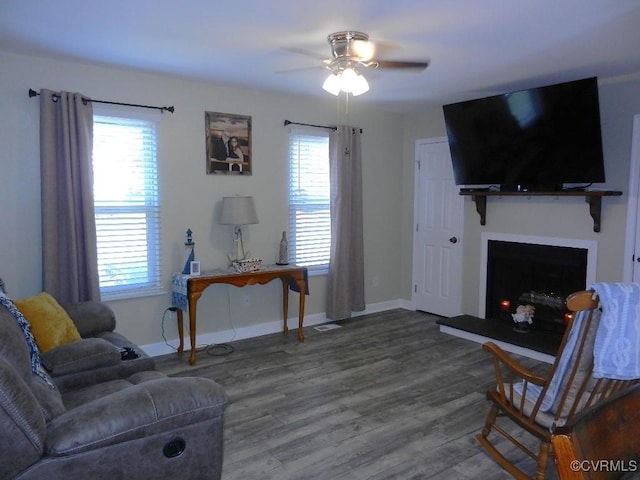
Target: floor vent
326 326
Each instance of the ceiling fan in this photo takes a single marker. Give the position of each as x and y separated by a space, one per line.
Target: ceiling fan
353 52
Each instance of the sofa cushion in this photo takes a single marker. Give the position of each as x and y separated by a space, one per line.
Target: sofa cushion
123 415
50 324
91 317
83 355
23 424
18 343
50 399
81 396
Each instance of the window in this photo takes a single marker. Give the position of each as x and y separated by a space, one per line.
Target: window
125 188
309 216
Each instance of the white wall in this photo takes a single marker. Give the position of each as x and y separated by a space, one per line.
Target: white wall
548 216
189 197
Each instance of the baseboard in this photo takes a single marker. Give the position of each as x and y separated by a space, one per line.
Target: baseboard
251 331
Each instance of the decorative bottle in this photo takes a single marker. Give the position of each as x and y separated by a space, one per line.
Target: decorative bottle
283 257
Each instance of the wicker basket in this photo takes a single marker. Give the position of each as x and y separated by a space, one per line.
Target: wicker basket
248 265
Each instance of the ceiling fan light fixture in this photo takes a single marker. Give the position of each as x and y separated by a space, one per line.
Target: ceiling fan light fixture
348 80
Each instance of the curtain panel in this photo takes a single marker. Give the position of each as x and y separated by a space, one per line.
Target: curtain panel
69 250
345 280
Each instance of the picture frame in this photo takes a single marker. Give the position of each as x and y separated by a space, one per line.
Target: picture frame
194 268
228 143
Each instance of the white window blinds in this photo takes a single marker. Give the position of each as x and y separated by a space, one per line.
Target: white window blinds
126 205
309 216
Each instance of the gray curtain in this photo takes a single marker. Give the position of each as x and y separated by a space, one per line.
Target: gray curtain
345 281
69 250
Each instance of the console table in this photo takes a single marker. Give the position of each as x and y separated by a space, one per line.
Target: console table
187 289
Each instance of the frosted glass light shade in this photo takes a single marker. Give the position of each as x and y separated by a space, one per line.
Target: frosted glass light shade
360 85
332 84
349 81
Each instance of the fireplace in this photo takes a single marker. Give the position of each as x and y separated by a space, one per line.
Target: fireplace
530 274
525 270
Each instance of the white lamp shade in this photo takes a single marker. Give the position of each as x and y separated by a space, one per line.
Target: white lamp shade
238 211
332 84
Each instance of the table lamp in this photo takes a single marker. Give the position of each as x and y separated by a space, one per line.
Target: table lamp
238 211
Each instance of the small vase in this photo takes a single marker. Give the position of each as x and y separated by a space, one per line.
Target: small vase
283 257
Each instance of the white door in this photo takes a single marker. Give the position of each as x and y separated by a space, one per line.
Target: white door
437 246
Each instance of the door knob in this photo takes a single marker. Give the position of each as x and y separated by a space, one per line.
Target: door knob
453 240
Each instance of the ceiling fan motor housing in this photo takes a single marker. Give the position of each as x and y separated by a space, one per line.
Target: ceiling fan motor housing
347 44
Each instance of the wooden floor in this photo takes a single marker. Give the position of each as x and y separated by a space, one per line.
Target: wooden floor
386 396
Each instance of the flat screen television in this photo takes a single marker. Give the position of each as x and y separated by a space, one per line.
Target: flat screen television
537 139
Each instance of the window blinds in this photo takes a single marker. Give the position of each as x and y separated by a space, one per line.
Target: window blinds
309 214
126 205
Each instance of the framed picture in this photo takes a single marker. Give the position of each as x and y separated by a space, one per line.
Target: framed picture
228 139
194 268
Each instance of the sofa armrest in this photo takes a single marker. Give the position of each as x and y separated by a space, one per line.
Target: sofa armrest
91 317
80 356
145 409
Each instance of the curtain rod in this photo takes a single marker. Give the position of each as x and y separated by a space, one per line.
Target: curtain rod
289 122
33 93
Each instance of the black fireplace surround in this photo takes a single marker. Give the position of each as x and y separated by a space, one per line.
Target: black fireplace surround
533 274
521 273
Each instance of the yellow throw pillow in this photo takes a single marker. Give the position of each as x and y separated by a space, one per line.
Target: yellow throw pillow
51 325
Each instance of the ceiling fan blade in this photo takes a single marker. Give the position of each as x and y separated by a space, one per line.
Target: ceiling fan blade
405 65
301 69
304 51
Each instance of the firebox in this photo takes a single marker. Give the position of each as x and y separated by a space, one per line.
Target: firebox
521 274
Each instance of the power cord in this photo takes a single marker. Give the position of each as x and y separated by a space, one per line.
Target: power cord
164 316
211 349
222 349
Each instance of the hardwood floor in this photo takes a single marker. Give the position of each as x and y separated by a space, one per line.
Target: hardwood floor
386 396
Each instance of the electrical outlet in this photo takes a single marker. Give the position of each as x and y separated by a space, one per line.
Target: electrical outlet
375 281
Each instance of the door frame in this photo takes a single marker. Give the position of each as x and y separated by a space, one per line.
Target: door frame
416 187
633 204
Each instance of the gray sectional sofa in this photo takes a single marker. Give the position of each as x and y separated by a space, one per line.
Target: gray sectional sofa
90 414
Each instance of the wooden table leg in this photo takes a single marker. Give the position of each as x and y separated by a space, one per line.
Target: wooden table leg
285 304
303 292
180 331
193 302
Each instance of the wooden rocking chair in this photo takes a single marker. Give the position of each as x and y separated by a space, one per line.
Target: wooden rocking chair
519 393
601 443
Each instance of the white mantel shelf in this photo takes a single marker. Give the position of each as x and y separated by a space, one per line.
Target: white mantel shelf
592 197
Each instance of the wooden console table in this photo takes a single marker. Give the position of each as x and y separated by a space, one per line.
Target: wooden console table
192 286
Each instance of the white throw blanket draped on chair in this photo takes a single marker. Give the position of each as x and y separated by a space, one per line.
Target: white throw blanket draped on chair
616 352
533 391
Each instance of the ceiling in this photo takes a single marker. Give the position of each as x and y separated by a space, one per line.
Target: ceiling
476 48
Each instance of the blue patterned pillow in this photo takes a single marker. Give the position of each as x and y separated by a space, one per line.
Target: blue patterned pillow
34 353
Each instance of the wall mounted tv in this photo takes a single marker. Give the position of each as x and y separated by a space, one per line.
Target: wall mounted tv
537 139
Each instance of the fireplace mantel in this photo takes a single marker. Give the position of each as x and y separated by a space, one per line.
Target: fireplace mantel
592 197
